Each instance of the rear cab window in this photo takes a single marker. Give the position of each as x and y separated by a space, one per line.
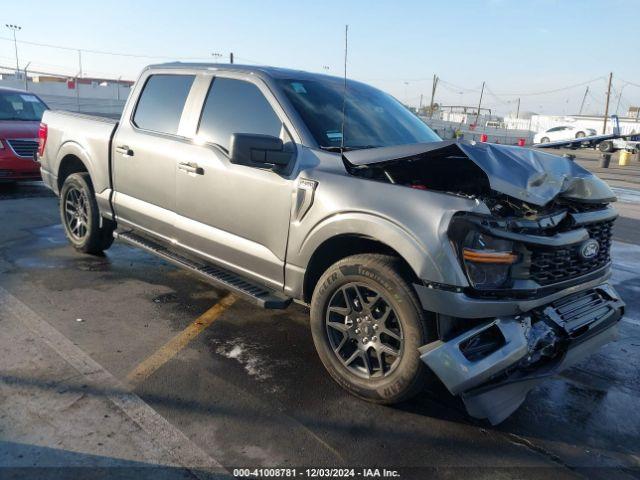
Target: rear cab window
161 103
236 106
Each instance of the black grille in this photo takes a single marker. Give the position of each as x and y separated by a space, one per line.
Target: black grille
23 147
553 265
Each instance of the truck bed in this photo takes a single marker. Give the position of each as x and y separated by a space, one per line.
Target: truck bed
85 137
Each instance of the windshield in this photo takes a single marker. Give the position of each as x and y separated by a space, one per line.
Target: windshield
20 106
373 118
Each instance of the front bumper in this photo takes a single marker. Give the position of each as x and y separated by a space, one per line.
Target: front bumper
494 365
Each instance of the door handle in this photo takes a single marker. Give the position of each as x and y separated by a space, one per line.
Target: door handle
125 151
190 167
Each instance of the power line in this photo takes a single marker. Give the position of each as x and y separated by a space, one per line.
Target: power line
630 83
458 87
555 90
103 52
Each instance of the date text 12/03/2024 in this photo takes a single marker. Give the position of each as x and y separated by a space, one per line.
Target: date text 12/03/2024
315 473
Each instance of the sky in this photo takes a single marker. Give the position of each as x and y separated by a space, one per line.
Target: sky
521 48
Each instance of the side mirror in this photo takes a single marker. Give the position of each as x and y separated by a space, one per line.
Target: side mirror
258 150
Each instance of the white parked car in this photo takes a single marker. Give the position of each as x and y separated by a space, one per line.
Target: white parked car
563 132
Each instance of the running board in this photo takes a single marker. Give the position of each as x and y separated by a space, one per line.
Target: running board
217 276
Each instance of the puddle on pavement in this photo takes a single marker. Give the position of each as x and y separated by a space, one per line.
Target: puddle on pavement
48 248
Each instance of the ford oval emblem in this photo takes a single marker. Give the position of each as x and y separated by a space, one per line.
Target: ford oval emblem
589 249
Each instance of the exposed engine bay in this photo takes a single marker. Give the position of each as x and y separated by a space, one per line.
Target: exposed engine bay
512 181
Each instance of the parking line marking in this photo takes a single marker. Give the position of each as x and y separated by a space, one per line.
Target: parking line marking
177 445
170 349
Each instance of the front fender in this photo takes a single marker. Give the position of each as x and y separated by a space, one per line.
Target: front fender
434 262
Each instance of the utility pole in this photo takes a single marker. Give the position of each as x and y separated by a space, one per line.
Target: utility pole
584 97
26 83
433 94
15 28
231 57
606 106
420 106
80 62
479 104
518 109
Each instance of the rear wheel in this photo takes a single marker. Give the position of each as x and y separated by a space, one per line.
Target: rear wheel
367 325
580 135
605 147
80 216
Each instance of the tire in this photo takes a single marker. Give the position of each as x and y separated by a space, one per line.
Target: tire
81 218
392 378
605 147
544 140
581 135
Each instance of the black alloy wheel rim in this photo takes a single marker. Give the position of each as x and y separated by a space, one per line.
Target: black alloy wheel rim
76 213
363 331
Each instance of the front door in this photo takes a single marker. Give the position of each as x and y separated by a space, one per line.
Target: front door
236 215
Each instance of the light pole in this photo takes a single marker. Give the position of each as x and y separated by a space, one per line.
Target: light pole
15 28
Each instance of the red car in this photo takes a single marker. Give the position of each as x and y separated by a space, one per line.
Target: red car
20 115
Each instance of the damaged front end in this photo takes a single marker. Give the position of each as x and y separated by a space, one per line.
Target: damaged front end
537 298
495 364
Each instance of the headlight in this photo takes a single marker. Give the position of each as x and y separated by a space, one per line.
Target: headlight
487 260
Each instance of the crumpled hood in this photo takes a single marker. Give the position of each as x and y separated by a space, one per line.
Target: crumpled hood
529 175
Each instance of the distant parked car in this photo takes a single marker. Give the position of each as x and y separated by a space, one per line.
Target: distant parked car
20 115
563 132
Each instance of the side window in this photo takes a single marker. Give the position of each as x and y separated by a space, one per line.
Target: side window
161 103
236 106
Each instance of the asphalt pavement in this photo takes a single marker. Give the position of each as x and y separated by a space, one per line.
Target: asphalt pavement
122 364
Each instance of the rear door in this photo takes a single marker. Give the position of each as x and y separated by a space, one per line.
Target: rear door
235 215
144 152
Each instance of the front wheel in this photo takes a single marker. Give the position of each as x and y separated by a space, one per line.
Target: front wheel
81 218
544 140
367 325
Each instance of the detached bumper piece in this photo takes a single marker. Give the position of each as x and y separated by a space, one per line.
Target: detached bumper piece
493 366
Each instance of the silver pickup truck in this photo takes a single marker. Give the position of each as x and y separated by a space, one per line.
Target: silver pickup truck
483 266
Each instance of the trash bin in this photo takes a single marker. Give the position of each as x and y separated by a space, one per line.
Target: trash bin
624 157
605 159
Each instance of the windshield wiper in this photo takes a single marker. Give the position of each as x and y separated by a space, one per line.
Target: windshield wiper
347 149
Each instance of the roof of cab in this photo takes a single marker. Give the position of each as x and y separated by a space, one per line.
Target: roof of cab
273 72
